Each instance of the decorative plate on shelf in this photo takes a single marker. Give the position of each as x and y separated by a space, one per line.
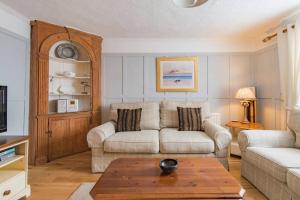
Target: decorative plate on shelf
67 50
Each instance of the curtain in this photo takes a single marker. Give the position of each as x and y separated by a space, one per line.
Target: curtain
289 68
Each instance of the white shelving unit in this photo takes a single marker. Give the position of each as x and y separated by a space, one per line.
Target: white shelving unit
14 171
65 87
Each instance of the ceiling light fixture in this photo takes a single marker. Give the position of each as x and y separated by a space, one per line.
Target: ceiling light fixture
189 3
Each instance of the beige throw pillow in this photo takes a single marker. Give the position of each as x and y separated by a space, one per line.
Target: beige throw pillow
150 114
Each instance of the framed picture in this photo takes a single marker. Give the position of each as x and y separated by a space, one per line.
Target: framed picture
177 74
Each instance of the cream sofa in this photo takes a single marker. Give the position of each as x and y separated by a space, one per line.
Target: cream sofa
271 161
159 136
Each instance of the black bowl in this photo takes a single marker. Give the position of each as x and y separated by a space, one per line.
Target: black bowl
168 165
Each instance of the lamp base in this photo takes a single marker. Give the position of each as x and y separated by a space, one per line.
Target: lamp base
245 104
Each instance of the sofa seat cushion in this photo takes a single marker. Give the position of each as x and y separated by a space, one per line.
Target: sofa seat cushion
293 180
274 161
144 141
174 141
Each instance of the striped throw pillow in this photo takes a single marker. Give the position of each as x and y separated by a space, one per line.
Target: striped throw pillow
129 120
190 119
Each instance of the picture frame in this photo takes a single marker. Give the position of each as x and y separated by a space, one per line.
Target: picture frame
177 74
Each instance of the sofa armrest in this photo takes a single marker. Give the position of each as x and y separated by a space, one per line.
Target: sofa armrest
221 136
97 135
265 138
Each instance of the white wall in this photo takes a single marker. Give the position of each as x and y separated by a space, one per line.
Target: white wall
132 77
14 68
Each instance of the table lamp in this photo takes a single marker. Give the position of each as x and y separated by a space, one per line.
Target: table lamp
246 95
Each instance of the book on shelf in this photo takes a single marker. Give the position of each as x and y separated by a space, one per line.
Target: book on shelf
4 155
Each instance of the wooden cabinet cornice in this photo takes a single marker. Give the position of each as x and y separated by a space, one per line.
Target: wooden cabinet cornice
41 122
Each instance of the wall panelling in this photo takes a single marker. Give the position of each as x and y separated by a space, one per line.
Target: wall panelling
266 78
132 77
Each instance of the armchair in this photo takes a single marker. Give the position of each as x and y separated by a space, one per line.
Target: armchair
271 161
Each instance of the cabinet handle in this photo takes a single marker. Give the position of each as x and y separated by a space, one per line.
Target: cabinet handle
6 193
49 133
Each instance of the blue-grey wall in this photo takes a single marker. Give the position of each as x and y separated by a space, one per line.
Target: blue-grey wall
14 72
132 77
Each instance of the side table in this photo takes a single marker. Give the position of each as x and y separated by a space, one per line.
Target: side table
233 125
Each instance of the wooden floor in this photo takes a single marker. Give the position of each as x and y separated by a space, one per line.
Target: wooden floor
58 179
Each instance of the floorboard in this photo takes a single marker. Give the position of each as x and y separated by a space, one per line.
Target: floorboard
59 178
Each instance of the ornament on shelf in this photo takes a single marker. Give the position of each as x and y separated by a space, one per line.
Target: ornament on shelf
69 74
85 85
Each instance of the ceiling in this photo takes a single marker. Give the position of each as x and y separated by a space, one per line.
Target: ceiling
160 18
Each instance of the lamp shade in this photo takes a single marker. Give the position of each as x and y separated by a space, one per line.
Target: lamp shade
246 93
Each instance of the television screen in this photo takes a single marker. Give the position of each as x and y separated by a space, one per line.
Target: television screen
3 109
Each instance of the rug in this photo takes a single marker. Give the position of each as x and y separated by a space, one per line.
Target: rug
82 192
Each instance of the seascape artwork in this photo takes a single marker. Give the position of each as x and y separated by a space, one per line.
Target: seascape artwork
177 74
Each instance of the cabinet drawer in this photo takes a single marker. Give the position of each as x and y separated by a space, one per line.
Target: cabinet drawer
12 186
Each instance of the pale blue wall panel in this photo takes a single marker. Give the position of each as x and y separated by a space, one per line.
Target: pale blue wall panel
218 76
133 76
266 65
113 76
150 78
202 84
241 73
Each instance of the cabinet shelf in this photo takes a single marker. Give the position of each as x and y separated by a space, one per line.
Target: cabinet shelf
75 77
68 60
73 94
11 160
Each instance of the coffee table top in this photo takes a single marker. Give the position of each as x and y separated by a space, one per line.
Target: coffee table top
141 178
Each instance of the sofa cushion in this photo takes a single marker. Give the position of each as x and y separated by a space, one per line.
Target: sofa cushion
173 141
145 141
150 113
293 180
189 119
294 125
169 115
129 120
274 161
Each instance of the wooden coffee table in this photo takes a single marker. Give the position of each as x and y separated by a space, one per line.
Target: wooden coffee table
141 178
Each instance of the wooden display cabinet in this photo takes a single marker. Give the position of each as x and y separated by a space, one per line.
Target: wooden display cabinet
52 134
